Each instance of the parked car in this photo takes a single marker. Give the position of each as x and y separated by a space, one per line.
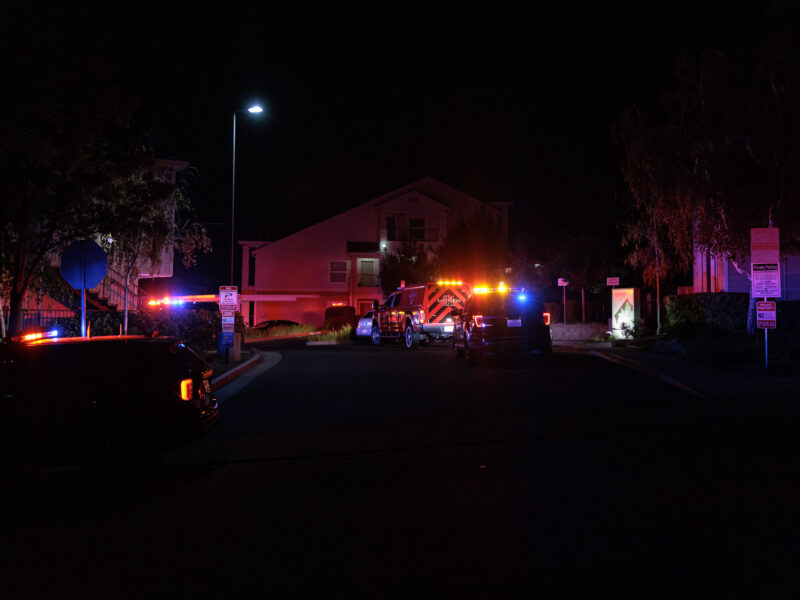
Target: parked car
336 317
66 400
502 322
364 326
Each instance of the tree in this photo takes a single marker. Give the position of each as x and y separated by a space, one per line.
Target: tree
411 263
473 251
149 215
658 233
71 166
725 159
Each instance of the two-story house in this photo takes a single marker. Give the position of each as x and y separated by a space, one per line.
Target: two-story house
338 261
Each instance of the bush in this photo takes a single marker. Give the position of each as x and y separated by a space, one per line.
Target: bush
687 314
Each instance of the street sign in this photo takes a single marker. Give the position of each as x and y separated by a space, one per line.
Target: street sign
766 279
612 281
765 245
766 315
83 264
228 297
562 282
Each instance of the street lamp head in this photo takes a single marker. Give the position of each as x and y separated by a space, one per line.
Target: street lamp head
255 109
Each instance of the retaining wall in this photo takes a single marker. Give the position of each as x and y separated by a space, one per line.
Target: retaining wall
577 331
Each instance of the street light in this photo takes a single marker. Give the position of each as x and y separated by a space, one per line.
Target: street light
255 109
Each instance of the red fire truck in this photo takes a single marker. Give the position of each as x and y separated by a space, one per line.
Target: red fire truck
419 313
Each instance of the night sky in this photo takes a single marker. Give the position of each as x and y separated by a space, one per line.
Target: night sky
503 101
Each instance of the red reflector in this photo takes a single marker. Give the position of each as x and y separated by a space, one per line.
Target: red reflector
478 320
186 389
546 317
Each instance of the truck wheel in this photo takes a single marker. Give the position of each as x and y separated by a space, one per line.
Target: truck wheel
376 336
409 339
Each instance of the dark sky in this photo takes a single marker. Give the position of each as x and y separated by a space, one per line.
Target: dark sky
503 101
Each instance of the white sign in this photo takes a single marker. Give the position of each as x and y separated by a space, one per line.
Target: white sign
765 245
766 280
562 282
228 313
228 297
227 321
766 315
624 310
612 281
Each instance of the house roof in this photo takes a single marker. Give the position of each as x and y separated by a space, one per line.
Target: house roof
428 186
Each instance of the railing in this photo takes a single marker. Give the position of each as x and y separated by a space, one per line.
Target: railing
368 280
112 290
35 319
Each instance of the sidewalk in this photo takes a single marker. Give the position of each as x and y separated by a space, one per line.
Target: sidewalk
699 380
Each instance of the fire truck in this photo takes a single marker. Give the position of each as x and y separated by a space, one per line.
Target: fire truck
417 314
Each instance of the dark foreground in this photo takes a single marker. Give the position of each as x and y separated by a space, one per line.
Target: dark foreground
575 478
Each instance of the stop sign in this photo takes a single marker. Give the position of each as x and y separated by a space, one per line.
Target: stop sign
83 264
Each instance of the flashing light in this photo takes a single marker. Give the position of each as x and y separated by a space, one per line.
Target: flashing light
502 287
187 387
449 282
480 290
522 297
546 317
337 303
167 301
53 333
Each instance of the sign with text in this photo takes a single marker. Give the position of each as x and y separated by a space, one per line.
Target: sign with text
612 281
562 282
766 280
765 245
228 297
766 315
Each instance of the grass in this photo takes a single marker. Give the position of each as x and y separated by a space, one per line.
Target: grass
255 333
340 335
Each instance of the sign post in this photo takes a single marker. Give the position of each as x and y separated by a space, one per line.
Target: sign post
563 283
83 266
765 271
228 305
766 318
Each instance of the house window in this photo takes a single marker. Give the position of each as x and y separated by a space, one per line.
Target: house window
416 228
368 272
391 229
338 271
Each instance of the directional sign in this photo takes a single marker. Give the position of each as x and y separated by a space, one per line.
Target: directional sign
228 297
766 280
83 264
766 315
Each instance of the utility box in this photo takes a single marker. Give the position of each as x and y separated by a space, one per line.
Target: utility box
625 310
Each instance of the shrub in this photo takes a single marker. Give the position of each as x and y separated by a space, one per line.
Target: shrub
686 314
337 335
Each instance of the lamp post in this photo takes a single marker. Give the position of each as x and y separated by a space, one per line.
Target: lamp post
253 110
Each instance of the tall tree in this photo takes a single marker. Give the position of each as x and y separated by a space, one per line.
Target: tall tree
69 162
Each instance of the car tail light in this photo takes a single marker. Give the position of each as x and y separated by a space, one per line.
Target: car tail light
478 320
187 389
546 317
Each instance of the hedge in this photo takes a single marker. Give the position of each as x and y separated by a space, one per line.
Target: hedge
724 310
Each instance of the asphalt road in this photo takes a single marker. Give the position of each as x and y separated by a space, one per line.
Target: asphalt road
360 472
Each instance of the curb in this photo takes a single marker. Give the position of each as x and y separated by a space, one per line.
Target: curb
229 376
632 364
